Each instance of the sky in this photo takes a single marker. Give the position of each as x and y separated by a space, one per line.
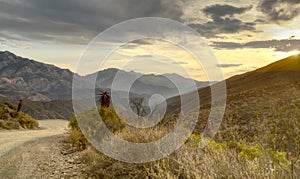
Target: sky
243 34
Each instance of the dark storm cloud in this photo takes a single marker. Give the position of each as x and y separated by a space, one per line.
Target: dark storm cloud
223 10
76 21
223 21
280 10
284 45
223 25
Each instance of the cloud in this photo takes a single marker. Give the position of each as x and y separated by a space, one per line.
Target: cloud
143 42
229 65
219 10
280 10
138 43
220 25
144 56
76 21
284 45
14 43
223 21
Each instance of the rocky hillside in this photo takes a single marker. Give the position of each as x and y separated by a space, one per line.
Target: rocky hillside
24 78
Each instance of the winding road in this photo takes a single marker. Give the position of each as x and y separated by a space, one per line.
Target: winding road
22 151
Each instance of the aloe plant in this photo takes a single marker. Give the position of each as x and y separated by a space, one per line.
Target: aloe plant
104 99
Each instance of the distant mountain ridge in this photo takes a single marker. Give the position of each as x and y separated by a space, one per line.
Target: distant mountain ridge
28 79
146 84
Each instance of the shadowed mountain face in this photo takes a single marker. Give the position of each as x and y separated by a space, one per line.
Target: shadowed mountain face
28 79
285 71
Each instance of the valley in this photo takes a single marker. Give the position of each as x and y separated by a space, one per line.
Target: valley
260 127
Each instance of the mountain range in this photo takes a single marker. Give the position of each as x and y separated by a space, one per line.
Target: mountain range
44 85
47 89
22 78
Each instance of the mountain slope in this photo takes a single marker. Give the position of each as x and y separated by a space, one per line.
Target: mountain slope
283 71
262 107
27 76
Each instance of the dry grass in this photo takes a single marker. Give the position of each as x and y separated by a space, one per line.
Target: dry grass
215 161
258 138
227 159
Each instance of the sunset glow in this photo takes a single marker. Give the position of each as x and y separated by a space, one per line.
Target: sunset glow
244 35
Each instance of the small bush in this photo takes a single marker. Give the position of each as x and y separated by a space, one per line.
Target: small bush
111 119
277 157
9 125
250 153
78 140
11 119
27 122
91 118
194 140
73 124
9 105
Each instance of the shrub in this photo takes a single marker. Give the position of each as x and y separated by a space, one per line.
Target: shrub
90 118
277 158
111 119
194 140
11 119
27 122
73 124
78 140
250 153
9 125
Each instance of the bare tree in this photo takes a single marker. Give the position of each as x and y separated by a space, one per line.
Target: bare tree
137 105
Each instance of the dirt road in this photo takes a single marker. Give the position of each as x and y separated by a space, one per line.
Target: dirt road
15 138
37 153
